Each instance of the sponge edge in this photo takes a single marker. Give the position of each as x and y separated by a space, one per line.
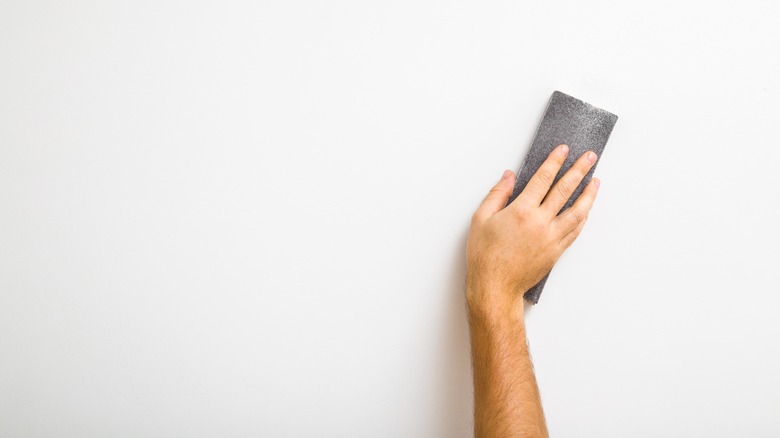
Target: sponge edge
581 126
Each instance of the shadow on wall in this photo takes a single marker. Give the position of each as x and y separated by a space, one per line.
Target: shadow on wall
454 384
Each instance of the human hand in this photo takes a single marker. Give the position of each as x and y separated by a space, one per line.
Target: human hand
511 249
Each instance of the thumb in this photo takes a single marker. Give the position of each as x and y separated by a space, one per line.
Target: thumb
498 195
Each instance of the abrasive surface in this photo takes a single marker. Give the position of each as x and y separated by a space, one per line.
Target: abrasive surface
581 126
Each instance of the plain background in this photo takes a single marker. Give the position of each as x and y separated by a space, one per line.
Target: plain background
249 218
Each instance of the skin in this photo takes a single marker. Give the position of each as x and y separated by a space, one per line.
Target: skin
508 251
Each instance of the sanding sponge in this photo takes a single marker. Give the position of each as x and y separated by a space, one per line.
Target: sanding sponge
581 126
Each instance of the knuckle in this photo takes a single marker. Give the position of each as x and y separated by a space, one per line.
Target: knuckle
535 223
520 206
545 177
495 191
522 209
575 216
564 188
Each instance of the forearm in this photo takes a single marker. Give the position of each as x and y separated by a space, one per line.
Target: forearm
506 397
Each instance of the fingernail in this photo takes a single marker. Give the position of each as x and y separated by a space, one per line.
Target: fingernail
564 149
596 182
591 156
507 174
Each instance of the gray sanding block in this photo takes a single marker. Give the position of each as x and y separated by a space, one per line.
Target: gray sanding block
581 126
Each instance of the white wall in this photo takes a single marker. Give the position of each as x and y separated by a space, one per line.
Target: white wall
248 218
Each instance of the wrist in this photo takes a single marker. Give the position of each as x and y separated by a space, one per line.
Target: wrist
493 304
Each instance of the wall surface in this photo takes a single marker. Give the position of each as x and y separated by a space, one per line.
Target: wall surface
248 218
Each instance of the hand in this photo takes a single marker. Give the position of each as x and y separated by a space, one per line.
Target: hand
511 249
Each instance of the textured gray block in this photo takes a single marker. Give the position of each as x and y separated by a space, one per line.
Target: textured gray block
581 126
